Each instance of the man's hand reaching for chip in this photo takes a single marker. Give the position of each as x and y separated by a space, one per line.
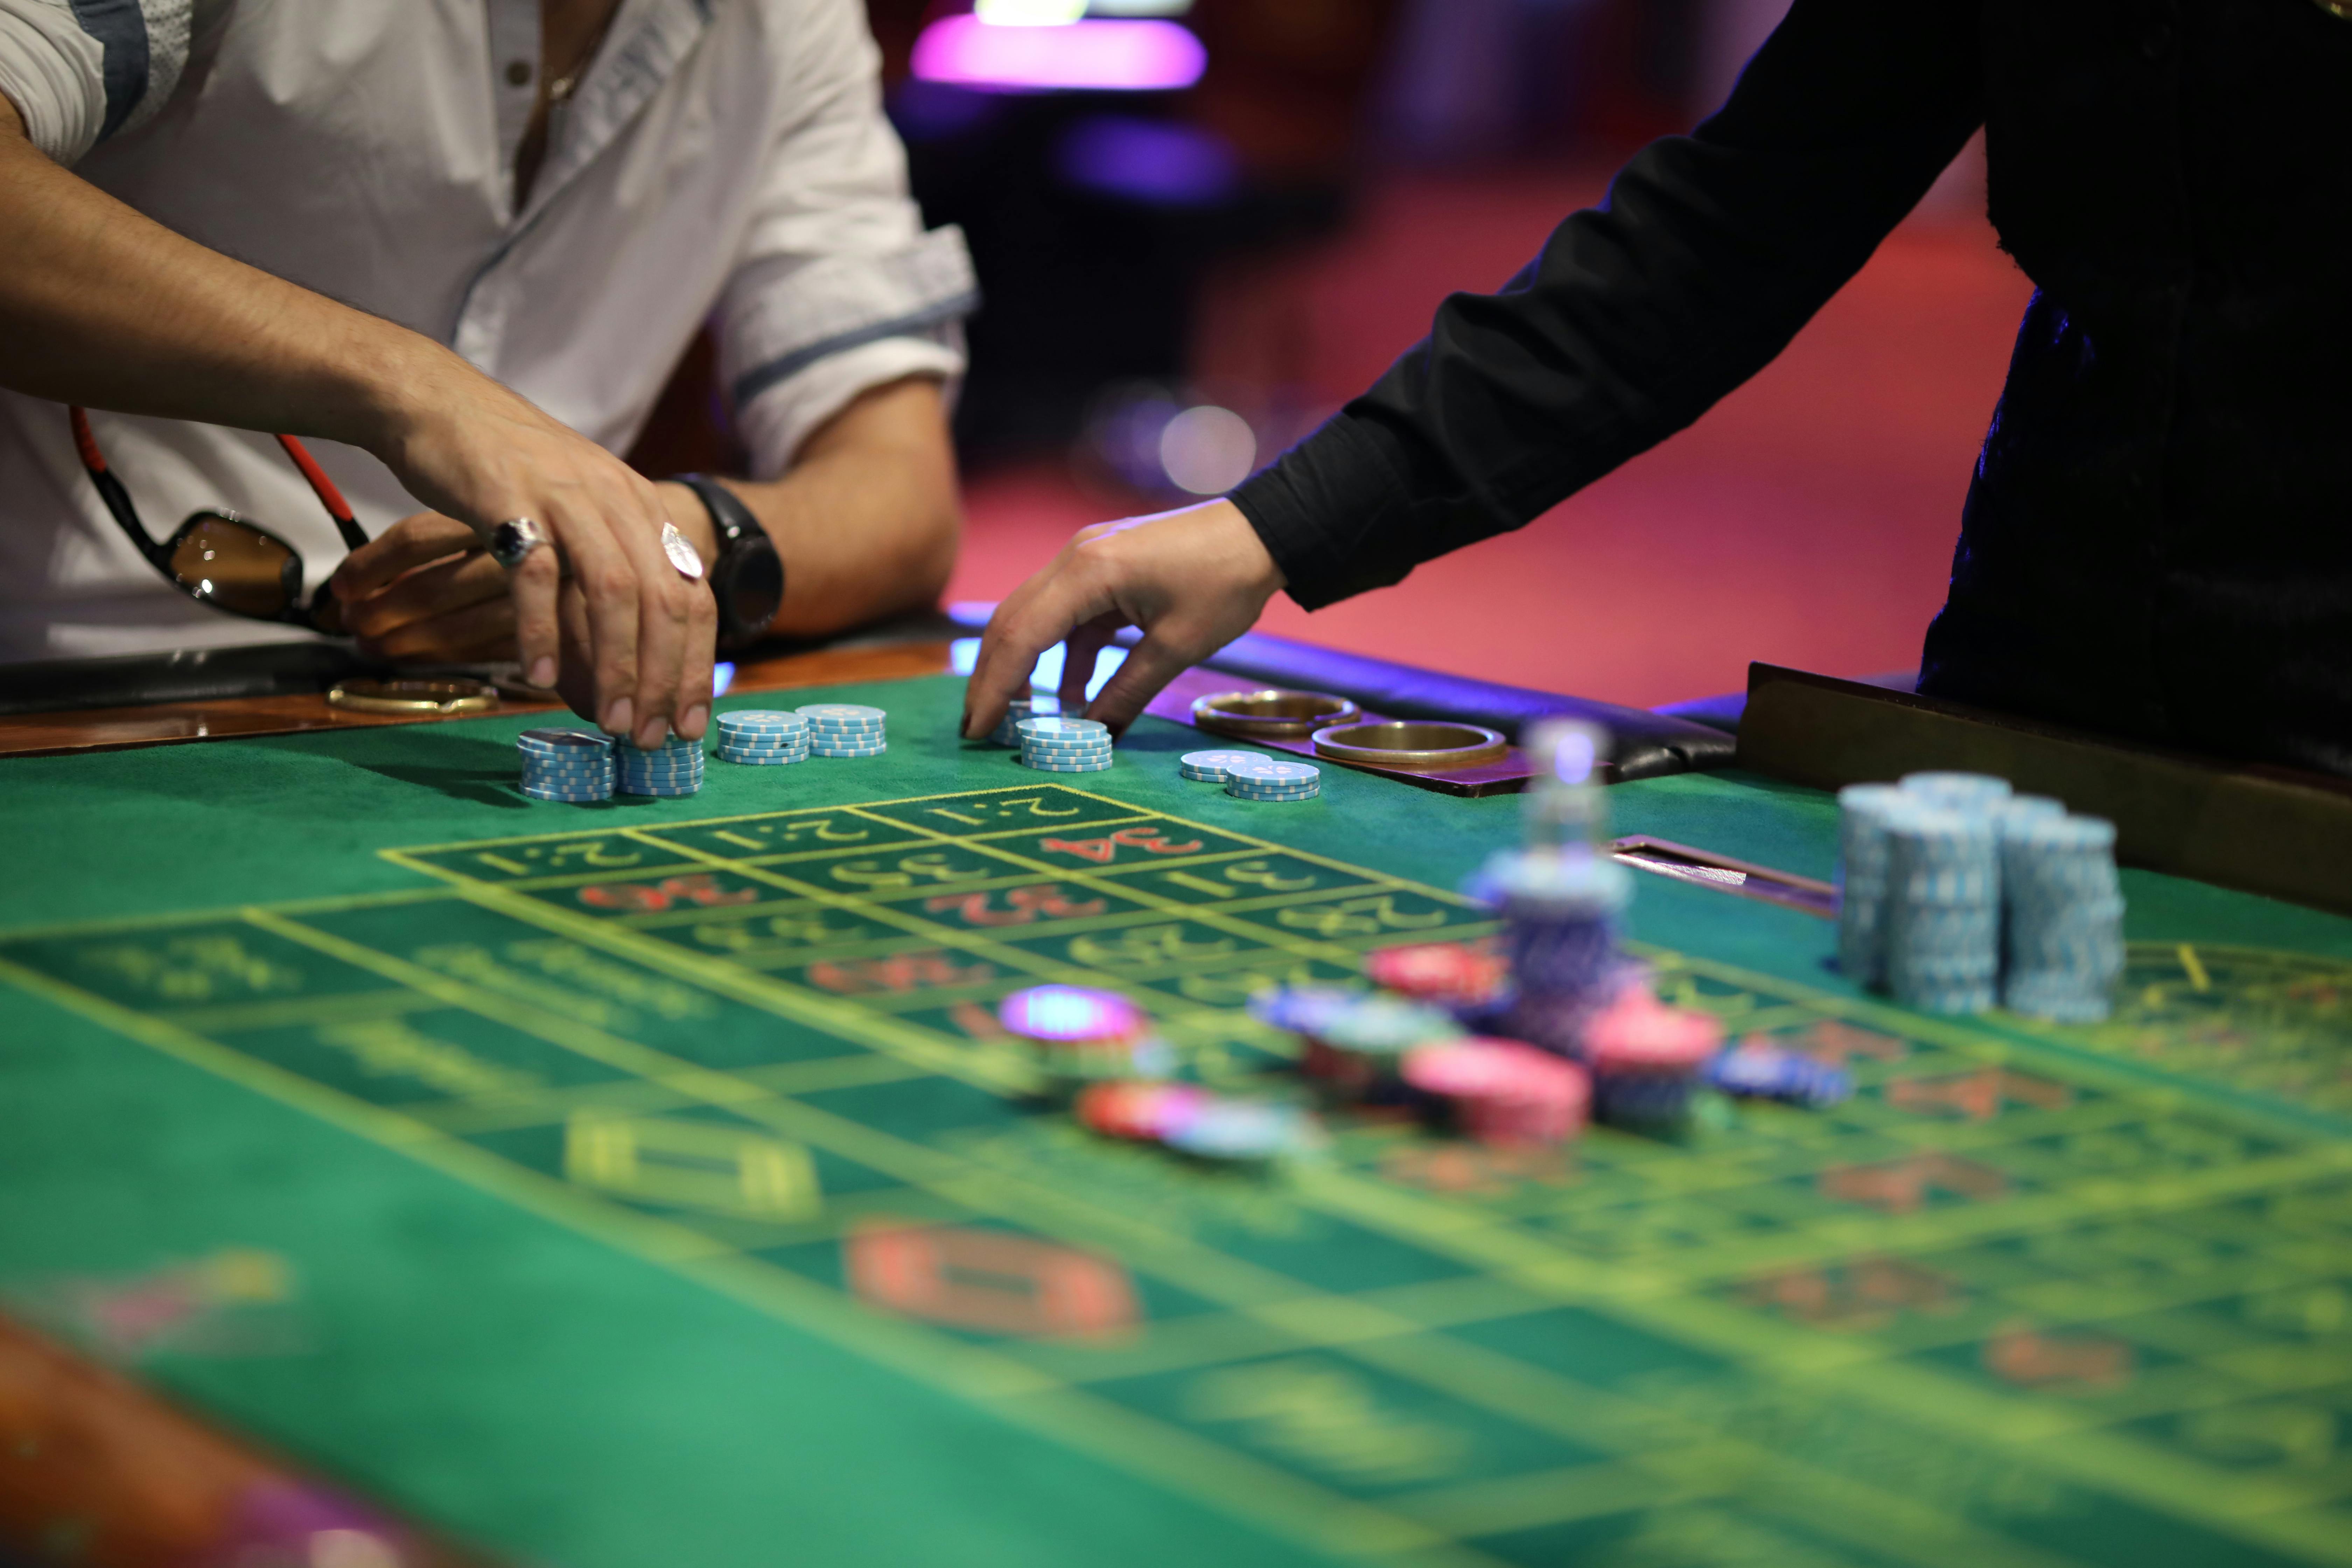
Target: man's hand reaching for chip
1193 580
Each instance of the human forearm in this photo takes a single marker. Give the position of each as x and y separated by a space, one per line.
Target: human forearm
1712 251
100 305
866 519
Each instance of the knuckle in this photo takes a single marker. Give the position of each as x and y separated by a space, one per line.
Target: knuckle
612 586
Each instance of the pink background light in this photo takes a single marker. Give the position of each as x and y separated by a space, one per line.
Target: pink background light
1132 56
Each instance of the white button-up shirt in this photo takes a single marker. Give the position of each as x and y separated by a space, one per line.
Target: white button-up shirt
719 159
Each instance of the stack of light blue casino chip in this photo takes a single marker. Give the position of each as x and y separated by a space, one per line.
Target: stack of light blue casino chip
673 767
1862 880
2065 905
1064 746
566 764
1943 908
846 729
1274 781
763 737
1008 729
1209 767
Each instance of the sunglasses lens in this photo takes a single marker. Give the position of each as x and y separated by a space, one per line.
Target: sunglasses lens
236 566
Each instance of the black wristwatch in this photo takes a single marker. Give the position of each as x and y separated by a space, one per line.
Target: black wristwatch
748 578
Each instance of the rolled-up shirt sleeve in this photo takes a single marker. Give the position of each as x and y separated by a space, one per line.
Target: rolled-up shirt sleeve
1710 253
838 288
80 71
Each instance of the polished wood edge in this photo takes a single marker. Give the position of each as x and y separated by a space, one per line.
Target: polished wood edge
242 718
88 1456
2273 831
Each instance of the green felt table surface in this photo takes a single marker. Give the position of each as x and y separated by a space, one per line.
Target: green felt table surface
643 1182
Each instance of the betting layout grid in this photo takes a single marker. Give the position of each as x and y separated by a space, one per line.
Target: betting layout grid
863 946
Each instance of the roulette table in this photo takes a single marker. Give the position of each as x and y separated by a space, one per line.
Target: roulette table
652 1180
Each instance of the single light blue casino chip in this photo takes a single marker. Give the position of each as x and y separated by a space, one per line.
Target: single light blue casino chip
1241 1130
762 718
569 740
1046 767
833 751
1069 1012
1305 1010
1270 792
1052 730
1272 773
1209 767
841 713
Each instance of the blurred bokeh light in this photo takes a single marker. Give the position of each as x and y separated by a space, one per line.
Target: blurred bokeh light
1102 54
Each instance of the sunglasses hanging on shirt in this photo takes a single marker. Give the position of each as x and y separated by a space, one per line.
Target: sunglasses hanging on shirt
220 559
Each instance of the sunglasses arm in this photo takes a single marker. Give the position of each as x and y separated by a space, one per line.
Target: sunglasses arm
110 492
325 488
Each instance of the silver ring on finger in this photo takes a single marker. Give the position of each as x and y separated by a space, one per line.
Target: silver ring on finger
681 553
515 539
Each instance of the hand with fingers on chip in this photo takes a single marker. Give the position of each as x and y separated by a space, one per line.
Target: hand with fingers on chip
1191 581
428 590
594 603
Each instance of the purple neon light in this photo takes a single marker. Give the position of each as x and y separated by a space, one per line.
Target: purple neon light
1104 53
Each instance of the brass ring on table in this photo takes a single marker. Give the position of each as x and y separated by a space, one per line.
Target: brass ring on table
1418 746
1271 713
443 698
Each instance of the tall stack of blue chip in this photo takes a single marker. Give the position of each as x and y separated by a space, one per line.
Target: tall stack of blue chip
1943 908
1958 791
1561 912
1064 746
1862 871
763 737
846 729
573 765
2065 908
672 768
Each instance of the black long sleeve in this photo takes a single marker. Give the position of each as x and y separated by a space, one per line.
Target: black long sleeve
1710 253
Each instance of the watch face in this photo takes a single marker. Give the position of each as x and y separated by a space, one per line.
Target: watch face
750 583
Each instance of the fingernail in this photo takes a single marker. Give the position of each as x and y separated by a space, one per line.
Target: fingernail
617 717
695 717
543 672
649 735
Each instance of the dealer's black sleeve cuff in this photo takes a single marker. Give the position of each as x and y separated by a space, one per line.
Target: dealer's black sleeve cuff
1321 510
